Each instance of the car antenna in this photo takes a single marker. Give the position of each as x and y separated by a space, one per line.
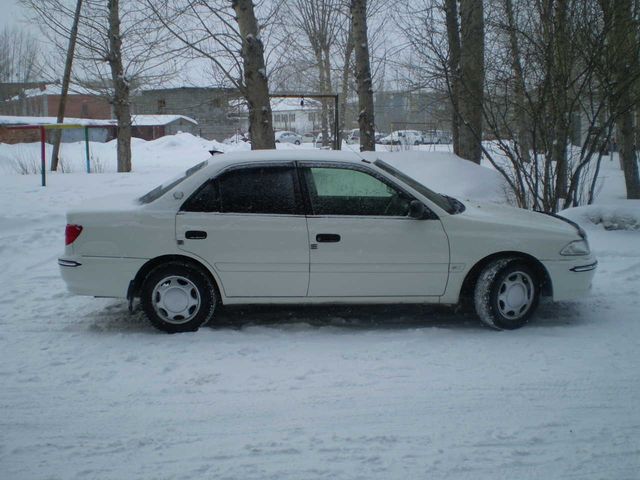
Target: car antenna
214 151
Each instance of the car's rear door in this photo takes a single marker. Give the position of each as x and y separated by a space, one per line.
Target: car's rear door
249 224
363 243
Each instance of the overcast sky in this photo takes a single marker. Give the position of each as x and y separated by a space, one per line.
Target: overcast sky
13 14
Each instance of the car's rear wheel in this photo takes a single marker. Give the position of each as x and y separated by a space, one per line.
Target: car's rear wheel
297 142
178 297
506 294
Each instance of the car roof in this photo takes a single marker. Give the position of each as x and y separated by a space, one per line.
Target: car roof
219 161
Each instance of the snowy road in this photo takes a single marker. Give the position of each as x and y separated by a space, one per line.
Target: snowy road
89 392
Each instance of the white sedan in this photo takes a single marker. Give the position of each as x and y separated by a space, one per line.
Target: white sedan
322 227
403 137
288 137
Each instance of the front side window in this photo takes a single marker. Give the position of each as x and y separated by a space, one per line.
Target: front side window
342 191
264 190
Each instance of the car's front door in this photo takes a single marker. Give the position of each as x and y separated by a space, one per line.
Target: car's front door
363 243
249 224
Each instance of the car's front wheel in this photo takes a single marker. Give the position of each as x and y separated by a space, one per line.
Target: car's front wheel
506 294
178 297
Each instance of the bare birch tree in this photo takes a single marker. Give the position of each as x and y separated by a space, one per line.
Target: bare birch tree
119 47
471 87
623 49
230 35
255 77
366 119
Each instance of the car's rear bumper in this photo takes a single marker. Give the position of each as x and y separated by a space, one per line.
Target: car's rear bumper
571 279
99 276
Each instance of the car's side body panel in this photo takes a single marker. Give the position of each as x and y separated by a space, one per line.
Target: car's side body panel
378 256
254 255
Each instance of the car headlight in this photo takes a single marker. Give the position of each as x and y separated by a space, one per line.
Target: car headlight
577 247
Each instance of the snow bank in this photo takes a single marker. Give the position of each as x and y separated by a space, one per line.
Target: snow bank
447 173
624 215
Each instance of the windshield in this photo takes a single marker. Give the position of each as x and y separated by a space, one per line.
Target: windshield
448 204
165 187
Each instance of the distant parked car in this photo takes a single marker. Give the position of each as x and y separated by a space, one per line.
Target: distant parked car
354 136
403 137
380 135
436 136
308 137
288 137
317 227
237 138
320 143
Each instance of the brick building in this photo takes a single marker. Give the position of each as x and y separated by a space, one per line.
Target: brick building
43 101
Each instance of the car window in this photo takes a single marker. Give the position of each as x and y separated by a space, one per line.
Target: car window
160 190
442 201
265 190
342 191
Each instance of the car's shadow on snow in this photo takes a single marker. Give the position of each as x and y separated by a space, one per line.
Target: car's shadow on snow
115 317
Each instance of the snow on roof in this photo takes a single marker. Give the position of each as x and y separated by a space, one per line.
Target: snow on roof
155 120
18 120
54 89
136 120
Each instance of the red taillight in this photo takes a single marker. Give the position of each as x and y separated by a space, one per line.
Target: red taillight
71 233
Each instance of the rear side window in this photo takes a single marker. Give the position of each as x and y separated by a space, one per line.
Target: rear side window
265 190
165 187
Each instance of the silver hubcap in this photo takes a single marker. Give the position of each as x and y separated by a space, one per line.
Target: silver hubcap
515 295
176 299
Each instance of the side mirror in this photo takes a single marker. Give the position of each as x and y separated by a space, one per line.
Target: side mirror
417 210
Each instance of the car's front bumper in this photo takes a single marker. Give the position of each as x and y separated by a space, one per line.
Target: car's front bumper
571 278
99 276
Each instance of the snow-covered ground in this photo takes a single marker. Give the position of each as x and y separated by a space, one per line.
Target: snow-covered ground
89 392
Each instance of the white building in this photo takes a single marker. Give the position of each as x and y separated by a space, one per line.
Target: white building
298 115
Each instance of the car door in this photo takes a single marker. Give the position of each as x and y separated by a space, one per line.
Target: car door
363 243
249 224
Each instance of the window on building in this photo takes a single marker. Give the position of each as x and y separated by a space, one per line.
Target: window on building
162 104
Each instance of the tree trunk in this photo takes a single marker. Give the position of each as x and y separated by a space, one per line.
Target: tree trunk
560 104
364 86
322 77
453 36
121 105
255 77
524 144
472 78
73 34
624 49
344 91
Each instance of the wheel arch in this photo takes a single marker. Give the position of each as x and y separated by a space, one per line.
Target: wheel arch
136 284
546 287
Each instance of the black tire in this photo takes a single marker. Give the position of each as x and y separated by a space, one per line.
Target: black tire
190 290
297 142
506 294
